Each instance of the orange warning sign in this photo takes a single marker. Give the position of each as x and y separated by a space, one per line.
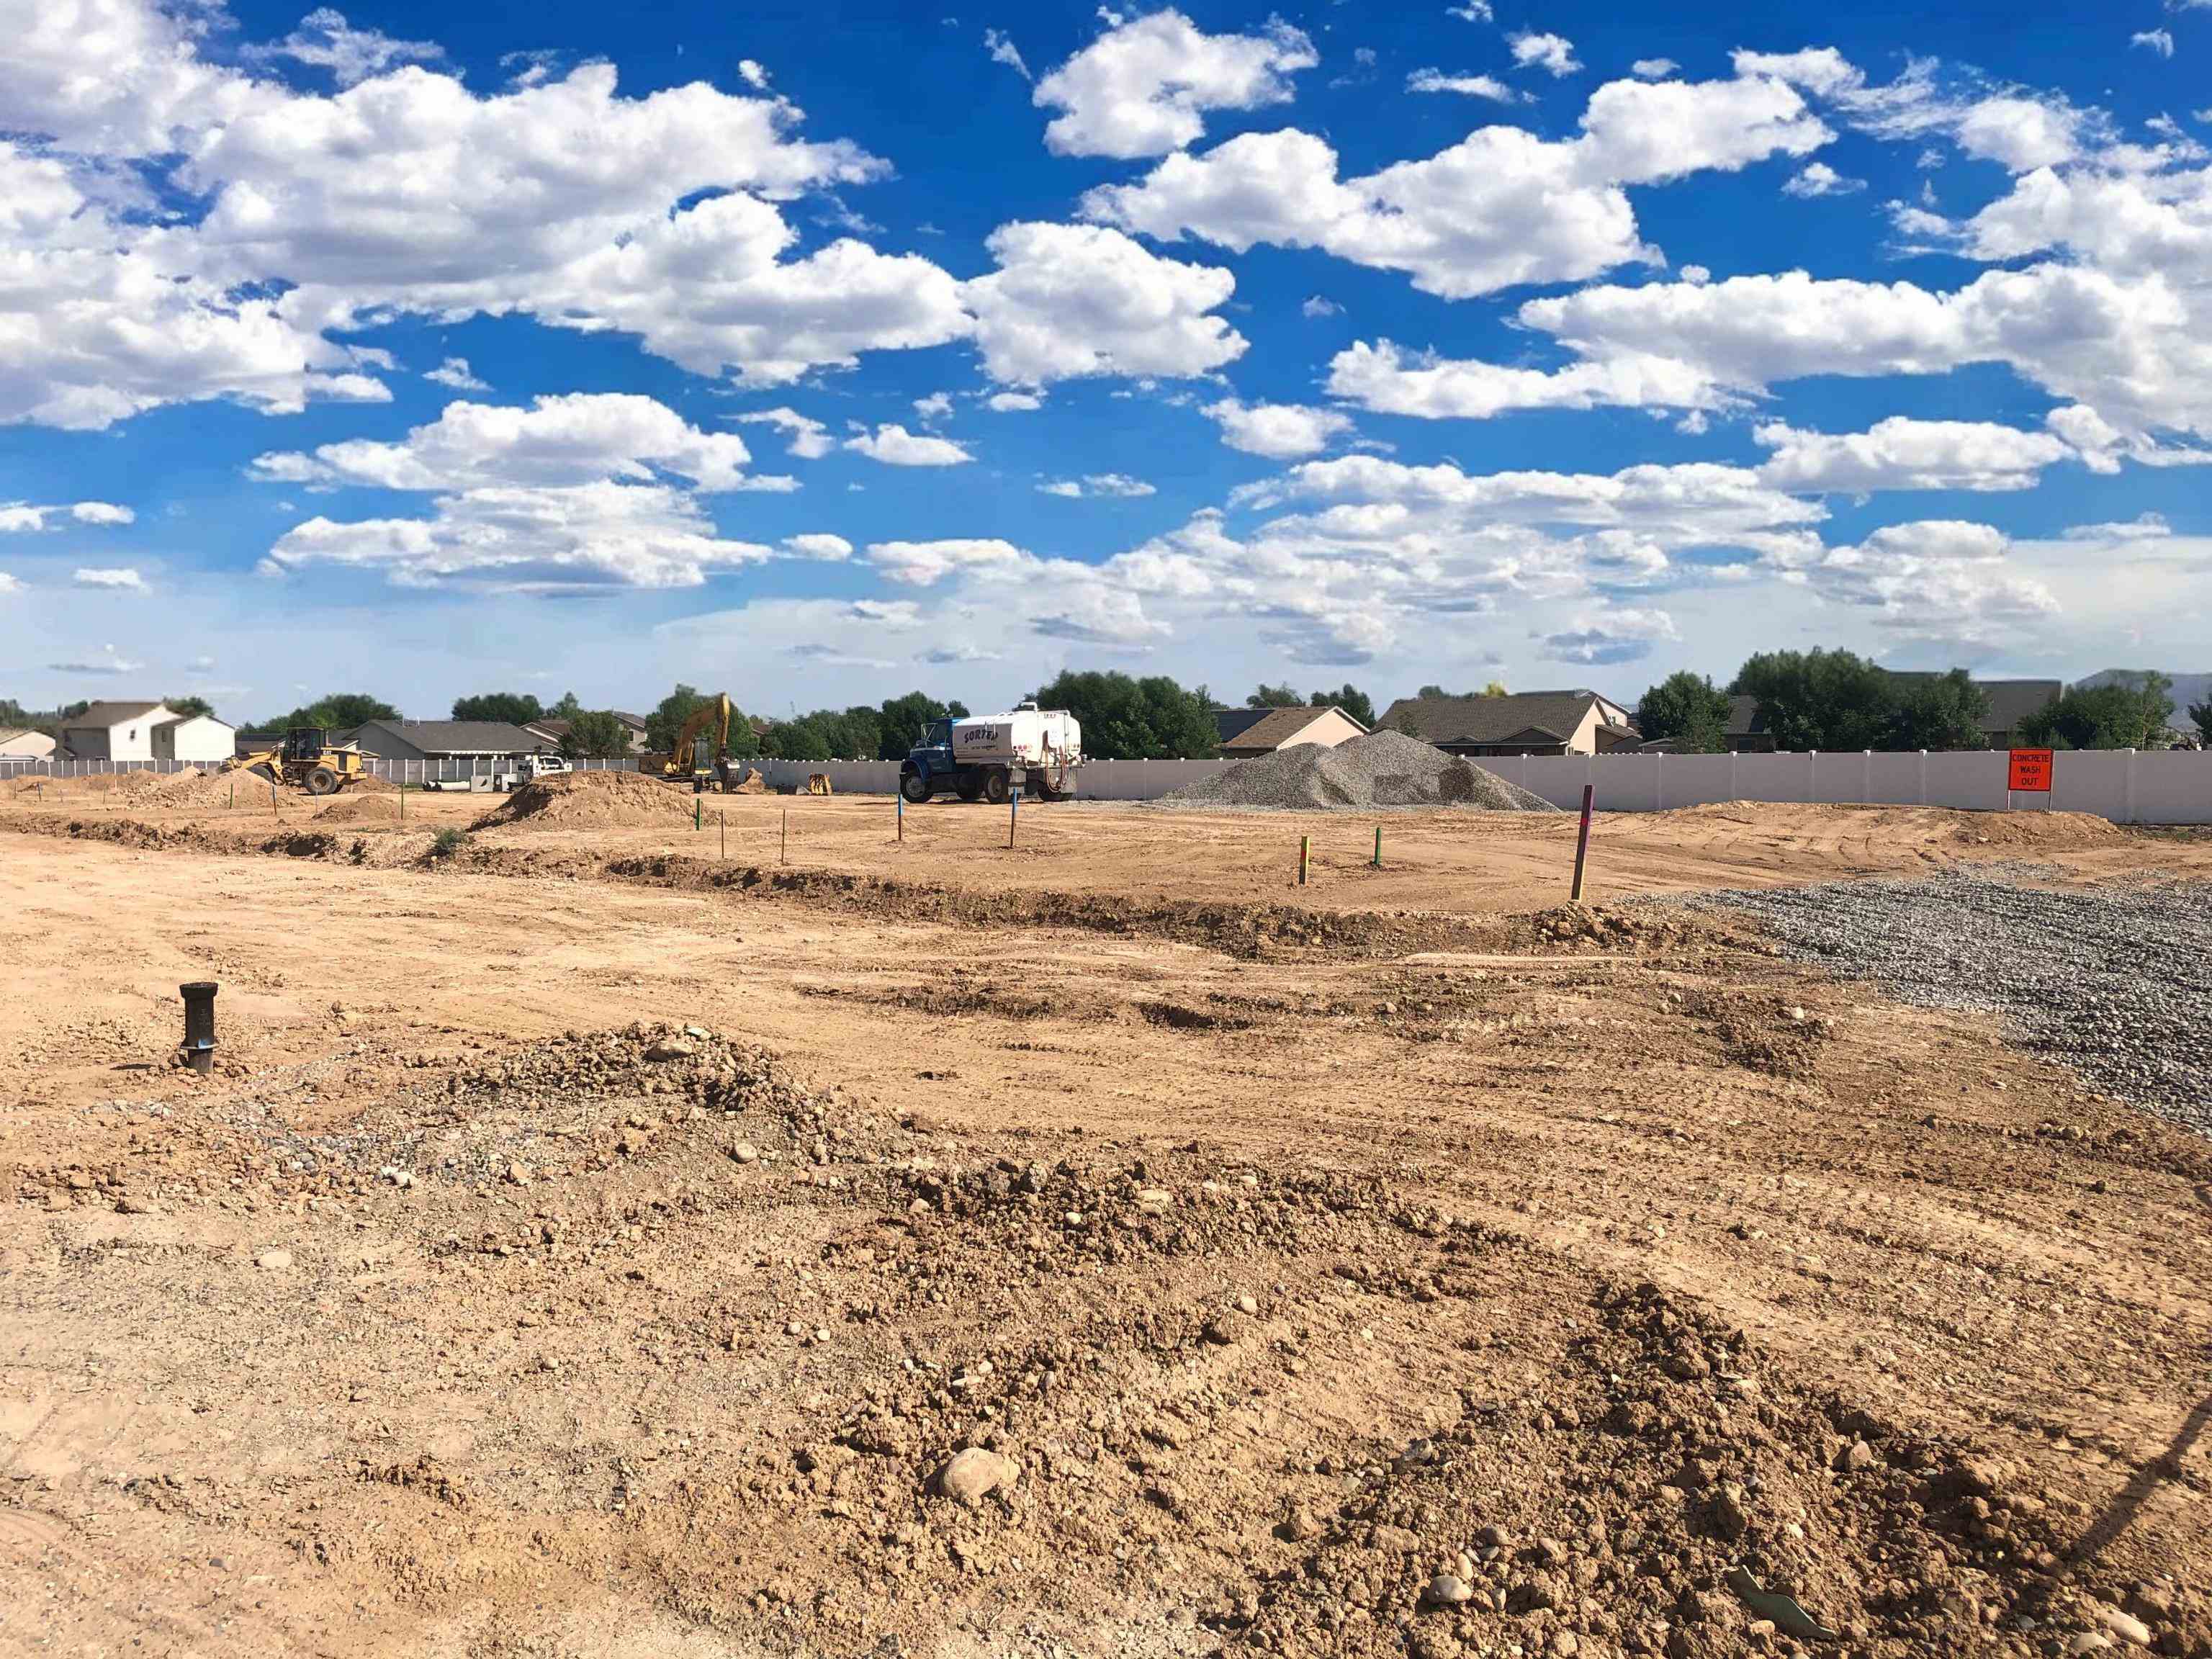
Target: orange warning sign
2030 772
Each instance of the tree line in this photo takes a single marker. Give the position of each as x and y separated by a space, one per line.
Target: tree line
1837 701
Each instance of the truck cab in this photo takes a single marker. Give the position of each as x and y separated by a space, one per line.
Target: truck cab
929 765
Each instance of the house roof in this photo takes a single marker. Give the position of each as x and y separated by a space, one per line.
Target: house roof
459 737
8 731
1479 720
1230 724
1274 728
178 720
2011 702
1744 719
105 714
629 719
551 728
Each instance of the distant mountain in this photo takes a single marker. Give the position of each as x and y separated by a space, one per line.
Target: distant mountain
2187 688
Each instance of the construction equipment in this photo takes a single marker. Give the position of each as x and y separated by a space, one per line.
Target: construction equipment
818 783
308 760
1028 747
686 764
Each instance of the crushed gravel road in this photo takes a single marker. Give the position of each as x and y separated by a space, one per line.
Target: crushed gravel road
2113 980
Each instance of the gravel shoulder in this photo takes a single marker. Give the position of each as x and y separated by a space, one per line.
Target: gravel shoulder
2116 980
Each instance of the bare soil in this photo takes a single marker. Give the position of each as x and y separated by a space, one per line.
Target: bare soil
590 1244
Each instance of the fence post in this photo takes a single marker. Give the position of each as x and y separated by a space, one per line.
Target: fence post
1866 779
1813 777
2128 791
1659 778
1923 777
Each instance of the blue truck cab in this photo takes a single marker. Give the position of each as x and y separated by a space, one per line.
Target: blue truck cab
929 765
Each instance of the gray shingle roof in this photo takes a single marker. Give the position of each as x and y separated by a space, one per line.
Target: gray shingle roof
1489 719
1274 728
105 714
459 737
1230 723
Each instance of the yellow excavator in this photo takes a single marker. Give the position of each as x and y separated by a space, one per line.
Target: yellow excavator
687 764
308 760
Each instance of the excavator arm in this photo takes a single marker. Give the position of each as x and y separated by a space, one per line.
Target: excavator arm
682 763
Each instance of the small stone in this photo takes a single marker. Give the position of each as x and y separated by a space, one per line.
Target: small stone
1447 1589
973 1474
1246 1306
1216 1331
1298 1527
1155 1200
2125 1625
518 1174
1725 1512
669 1048
274 1261
1855 1457
2088 1641
745 1152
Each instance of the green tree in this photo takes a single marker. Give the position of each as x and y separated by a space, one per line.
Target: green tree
1430 694
1126 719
568 708
854 733
514 708
1273 696
1496 688
901 721
800 740
1943 711
1348 698
2200 715
1819 699
666 723
595 734
2129 716
341 711
1687 709
188 705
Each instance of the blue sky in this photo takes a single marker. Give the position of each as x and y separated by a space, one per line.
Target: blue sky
819 353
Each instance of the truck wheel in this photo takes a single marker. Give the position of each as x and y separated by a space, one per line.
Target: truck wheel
969 788
914 787
322 781
994 786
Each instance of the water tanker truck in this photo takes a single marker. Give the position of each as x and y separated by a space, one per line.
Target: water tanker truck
1034 749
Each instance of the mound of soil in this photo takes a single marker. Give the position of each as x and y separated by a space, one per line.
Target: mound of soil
1382 768
203 789
589 800
350 808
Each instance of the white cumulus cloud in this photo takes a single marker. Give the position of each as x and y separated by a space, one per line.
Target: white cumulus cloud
894 445
1142 87
1555 54
1279 431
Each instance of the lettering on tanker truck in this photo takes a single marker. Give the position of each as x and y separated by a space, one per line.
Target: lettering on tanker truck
978 734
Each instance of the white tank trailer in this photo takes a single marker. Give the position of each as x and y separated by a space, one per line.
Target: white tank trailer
987 757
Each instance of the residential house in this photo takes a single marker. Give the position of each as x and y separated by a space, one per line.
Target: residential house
114 731
1579 721
1270 729
448 740
201 738
556 731
18 742
2011 702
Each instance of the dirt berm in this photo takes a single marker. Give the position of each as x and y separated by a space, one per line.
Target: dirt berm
589 800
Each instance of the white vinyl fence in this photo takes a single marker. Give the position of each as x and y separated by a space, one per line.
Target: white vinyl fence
2124 785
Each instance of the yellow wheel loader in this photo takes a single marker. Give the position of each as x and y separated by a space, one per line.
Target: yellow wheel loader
308 760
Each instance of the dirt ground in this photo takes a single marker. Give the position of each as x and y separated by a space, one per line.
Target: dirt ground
590 1244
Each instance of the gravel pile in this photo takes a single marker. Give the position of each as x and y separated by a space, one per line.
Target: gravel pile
1382 768
2115 982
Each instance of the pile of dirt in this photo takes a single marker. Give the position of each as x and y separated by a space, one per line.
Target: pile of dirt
350 808
211 789
589 800
1382 768
369 784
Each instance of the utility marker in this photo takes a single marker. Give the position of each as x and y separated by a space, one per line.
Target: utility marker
1305 856
1581 842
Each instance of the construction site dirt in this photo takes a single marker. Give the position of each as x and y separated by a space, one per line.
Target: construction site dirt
637 1239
